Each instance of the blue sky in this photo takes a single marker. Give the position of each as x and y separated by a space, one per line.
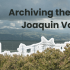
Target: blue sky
15 22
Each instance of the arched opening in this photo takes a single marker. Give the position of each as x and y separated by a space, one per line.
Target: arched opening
61 47
28 50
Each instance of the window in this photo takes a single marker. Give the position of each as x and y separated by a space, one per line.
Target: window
61 47
28 50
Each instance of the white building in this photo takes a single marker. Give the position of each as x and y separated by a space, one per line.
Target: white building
41 46
0 47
